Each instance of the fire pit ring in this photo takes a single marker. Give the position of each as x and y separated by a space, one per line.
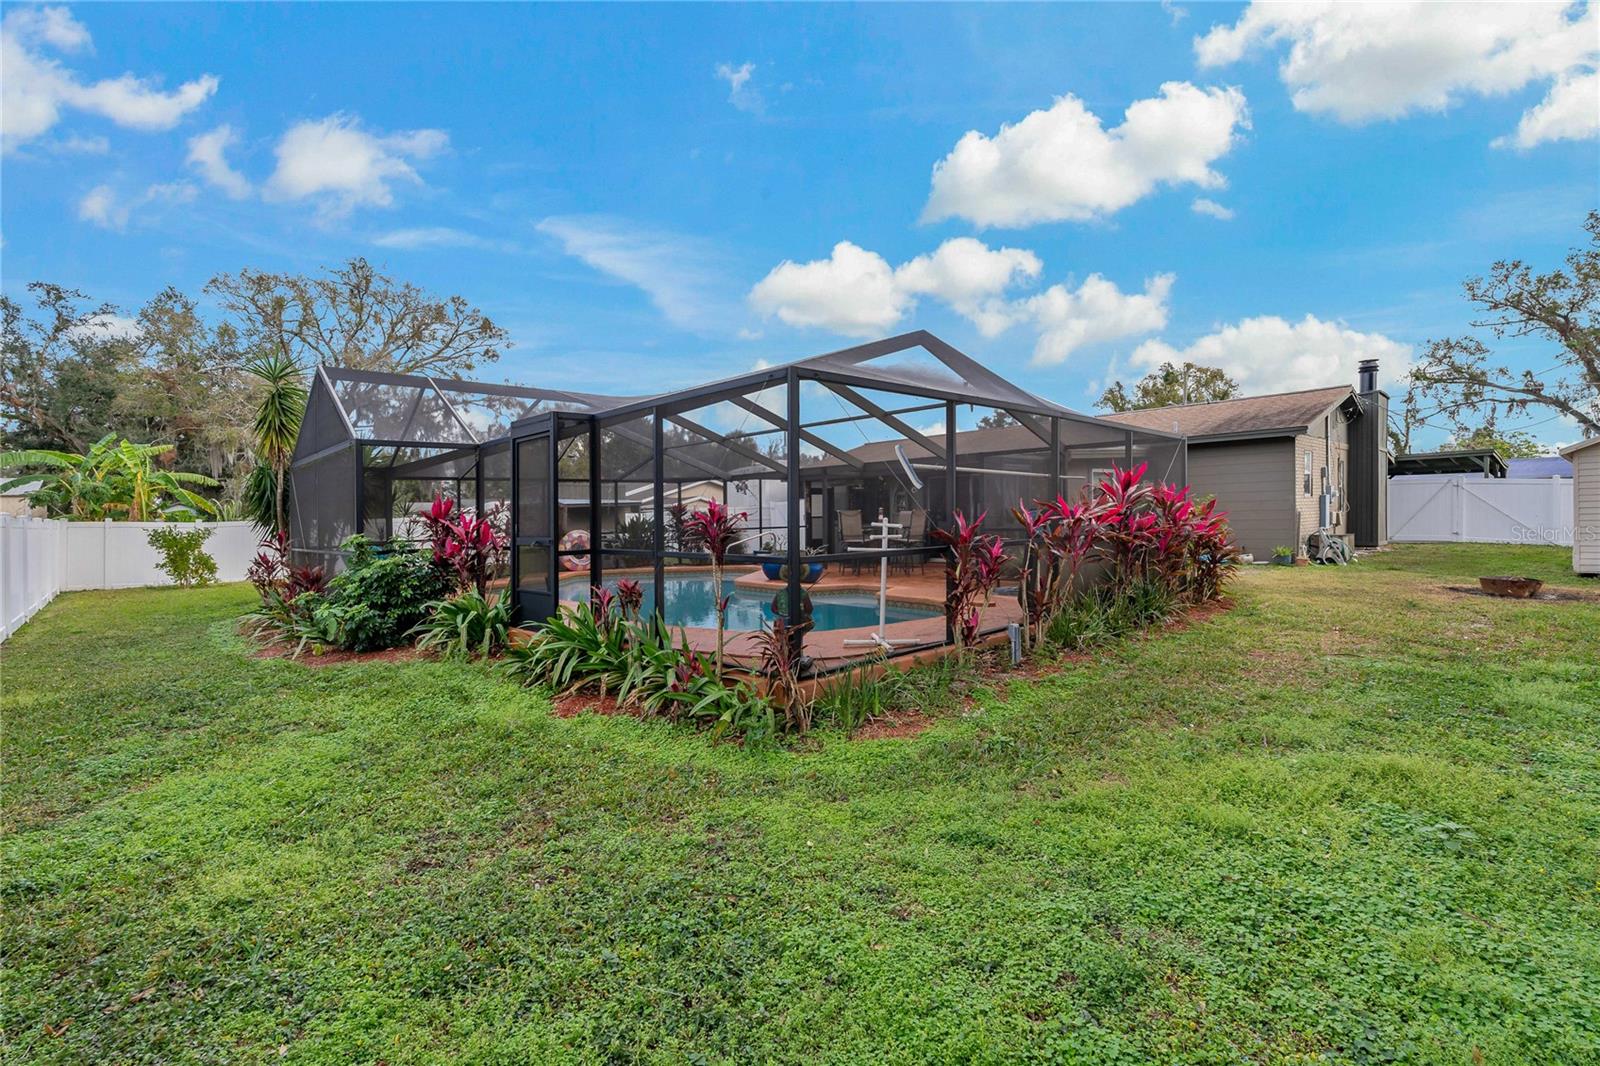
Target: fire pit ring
1519 588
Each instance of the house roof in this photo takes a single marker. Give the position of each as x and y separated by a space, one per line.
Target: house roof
1288 412
1573 449
1539 466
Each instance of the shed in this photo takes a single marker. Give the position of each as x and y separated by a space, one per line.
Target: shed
1585 459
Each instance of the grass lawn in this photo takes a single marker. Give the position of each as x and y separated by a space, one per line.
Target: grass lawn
1355 819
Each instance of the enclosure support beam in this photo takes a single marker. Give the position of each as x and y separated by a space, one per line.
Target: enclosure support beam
810 438
950 501
890 420
792 587
659 535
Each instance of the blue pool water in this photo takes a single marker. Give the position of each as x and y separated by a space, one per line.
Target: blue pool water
690 603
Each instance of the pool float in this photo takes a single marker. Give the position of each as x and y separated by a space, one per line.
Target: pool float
574 540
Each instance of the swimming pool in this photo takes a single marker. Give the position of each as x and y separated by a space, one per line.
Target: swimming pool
689 603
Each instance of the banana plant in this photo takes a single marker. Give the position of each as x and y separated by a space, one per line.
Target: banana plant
112 477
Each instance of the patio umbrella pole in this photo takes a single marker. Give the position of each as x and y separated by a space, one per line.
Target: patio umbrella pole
878 640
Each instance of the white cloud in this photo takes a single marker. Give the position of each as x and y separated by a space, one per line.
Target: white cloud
1270 354
104 206
78 145
342 166
121 327
971 277
1093 313
1061 164
208 155
853 292
856 292
1570 112
101 206
1204 206
38 88
421 237
1360 62
676 272
741 93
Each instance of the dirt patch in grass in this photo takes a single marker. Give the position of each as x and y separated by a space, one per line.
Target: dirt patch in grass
280 650
1544 596
894 726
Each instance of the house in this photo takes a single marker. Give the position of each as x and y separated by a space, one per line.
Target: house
1287 464
1539 466
14 501
1585 459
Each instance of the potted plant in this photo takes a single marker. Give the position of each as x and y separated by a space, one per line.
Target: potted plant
1283 555
771 568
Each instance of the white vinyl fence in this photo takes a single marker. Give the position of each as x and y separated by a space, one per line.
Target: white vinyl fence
40 557
1465 507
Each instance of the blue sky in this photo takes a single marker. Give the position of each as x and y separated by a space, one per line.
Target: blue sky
653 196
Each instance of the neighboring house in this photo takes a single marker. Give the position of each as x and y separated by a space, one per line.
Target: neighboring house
1275 462
1539 466
14 501
1585 459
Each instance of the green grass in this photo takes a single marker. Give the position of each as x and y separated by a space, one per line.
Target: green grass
1356 819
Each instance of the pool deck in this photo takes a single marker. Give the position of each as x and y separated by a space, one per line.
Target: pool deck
922 587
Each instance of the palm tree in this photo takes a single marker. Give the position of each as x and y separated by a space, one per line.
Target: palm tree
277 421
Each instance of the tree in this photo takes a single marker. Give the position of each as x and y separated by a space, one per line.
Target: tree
1458 378
62 369
1510 444
359 318
277 423
996 419
1170 384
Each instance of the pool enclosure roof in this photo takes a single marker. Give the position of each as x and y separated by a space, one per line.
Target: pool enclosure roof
411 410
916 363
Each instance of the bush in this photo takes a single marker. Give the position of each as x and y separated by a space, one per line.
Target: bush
467 625
1104 614
376 605
183 554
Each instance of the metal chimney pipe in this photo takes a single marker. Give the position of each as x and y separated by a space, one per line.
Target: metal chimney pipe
1367 376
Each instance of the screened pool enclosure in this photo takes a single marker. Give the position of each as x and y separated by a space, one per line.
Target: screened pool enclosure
375 448
842 464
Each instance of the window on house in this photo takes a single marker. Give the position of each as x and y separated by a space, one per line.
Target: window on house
1305 486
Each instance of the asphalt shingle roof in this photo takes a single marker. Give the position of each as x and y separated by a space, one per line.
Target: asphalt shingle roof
1247 414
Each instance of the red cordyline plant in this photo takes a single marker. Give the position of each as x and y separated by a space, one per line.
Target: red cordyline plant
470 546
714 529
1059 536
630 596
1213 556
1126 529
972 570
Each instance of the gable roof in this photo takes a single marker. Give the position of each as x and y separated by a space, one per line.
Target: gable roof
1283 412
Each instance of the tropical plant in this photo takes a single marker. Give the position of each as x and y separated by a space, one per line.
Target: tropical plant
183 554
973 567
470 547
714 529
276 426
778 662
114 477
467 625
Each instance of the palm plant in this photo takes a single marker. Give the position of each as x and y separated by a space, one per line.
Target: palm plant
714 529
277 421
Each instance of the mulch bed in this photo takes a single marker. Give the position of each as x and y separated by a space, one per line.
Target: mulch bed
577 703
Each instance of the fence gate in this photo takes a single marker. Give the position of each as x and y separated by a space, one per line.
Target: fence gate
1463 507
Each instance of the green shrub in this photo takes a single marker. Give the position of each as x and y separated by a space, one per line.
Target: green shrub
374 605
467 625
183 554
1100 615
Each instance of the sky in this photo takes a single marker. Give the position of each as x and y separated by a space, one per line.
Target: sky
655 196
